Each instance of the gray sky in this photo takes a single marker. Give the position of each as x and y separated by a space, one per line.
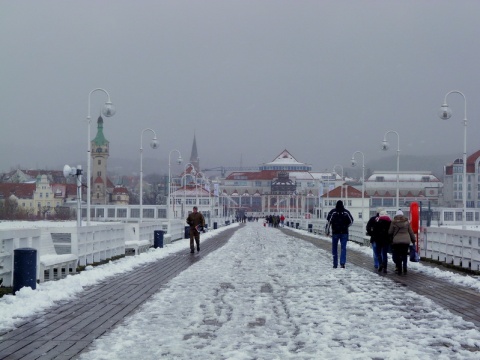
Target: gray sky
320 78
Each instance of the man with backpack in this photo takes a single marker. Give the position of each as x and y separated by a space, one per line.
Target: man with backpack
338 222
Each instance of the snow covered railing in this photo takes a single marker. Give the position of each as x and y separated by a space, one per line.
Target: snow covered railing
52 262
139 236
9 241
92 243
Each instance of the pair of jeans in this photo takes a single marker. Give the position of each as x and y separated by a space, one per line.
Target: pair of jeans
382 254
343 238
375 257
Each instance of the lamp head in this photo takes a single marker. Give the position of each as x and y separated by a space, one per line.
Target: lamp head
108 109
445 113
67 171
354 162
385 145
179 160
72 171
154 143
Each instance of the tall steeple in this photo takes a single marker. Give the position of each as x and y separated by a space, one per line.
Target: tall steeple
100 154
194 160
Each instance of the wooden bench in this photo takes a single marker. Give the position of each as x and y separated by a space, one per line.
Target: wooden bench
51 262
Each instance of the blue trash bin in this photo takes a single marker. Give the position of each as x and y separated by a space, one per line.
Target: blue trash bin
187 232
24 268
215 225
158 239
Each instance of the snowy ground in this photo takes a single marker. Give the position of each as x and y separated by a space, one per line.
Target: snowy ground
266 295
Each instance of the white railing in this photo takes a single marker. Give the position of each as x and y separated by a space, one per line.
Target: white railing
11 240
452 245
92 243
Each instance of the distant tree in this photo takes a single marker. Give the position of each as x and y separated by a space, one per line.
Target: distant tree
9 210
63 213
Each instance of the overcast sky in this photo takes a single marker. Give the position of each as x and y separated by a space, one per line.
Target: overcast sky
250 78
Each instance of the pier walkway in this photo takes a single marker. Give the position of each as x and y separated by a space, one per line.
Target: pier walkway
66 330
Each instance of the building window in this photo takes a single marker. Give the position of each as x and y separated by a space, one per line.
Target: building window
122 213
376 202
258 183
41 195
99 162
99 173
448 216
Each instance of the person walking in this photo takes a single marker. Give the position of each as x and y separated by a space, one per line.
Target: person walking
197 223
402 235
382 239
339 220
369 229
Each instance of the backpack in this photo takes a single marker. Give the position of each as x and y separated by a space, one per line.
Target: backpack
339 222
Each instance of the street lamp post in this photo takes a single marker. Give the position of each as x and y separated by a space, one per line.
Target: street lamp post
363 183
179 161
153 145
108 110
445 113
385 146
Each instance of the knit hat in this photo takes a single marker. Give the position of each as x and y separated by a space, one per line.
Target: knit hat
399 212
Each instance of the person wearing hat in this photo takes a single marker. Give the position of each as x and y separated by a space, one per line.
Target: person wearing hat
370 224
197 223
339 220
402 235
382 239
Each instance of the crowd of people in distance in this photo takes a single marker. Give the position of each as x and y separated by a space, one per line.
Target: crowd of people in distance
275 220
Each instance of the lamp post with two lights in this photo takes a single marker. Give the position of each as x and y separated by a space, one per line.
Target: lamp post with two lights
445 113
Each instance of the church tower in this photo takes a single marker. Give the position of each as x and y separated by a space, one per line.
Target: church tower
194 160
100 152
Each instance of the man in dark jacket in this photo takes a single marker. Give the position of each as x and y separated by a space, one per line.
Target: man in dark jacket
197 222
369 229
338 221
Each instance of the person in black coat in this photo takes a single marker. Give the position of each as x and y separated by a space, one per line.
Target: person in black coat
369 229
338 222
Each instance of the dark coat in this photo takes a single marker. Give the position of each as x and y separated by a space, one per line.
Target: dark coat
380 230
195 219
339 220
